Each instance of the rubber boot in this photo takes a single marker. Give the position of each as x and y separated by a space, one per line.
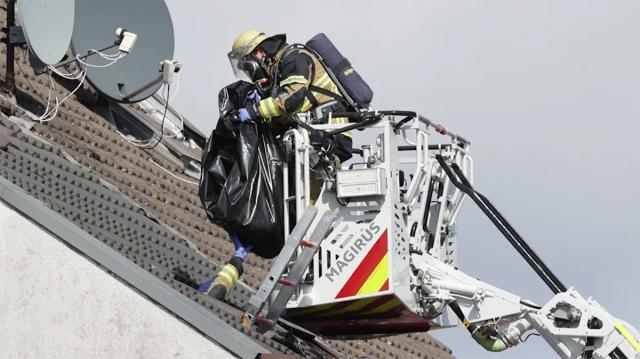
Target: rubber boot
220 286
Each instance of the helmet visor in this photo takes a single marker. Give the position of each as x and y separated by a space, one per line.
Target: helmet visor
248 68
237 61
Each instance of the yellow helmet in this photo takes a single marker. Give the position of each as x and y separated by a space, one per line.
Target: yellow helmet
248 69
247 41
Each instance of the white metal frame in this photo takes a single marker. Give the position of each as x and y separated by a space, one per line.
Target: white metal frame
499 317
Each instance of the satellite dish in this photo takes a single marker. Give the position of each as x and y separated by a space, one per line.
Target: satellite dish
47 26
137 75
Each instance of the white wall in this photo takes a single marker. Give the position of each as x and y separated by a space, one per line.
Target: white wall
54 303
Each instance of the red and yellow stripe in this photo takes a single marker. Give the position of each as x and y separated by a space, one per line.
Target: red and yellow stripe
372 275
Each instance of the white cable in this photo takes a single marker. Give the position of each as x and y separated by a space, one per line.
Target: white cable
181 128
55 111
114 58
51 87
164 117
169 172
171 97
76 74
145 144
140 143
113 61
51 112
106 56
70 76
49 115
84 76
175 91
95 66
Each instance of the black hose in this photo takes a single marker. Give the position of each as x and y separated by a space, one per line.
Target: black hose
430 147
505 228
427 205
361 124
400 123
530 305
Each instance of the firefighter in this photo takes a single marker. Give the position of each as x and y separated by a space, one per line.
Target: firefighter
288 80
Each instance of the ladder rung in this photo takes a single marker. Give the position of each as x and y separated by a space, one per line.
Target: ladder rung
308 244
263 321
260 298
286 282
279 303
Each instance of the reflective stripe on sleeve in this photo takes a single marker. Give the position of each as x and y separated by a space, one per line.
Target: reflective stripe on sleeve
268 108
295 79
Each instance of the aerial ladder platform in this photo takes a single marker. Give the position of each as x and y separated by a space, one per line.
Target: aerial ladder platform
381 258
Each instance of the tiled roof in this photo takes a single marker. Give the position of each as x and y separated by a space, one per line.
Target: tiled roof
117 194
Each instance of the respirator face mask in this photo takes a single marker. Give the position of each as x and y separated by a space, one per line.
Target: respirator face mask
246 68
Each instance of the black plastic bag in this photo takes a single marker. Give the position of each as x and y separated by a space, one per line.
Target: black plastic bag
241 178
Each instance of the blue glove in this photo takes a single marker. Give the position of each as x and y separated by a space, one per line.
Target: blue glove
255 96
244 115
241 251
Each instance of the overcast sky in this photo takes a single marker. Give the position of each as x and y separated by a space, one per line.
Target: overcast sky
547 91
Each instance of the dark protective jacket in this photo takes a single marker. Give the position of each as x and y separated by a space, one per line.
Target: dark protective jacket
297 75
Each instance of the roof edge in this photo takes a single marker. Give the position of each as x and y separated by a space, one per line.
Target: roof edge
210 325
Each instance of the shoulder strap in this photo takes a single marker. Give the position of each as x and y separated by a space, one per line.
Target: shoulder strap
312 99
312 88
320 90
276 65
